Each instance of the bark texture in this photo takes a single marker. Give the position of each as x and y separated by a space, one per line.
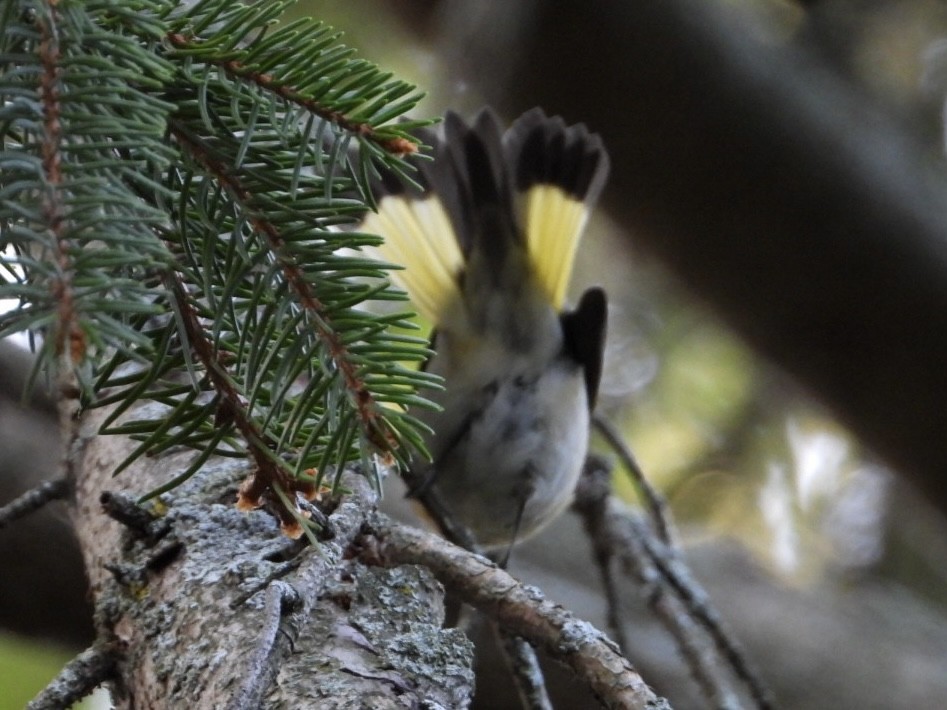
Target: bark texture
209 607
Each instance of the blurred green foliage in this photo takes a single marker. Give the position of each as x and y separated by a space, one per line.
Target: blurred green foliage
25 669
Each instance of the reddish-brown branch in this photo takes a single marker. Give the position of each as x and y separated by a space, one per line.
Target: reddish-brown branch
397 145
268 473
373 426
68 337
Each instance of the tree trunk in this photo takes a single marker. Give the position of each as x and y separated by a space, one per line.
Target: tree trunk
209 607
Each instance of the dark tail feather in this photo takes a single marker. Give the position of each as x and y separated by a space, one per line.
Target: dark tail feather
544 150
584 334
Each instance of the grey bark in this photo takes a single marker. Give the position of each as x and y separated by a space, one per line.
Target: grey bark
206 614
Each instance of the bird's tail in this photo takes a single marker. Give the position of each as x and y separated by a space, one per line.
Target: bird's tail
490 192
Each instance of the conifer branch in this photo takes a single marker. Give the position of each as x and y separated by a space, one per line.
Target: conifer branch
69 342
372 425
170 197
231 409
270 473
396 145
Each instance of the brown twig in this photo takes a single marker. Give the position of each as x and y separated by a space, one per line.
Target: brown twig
68 337
524 611
396 145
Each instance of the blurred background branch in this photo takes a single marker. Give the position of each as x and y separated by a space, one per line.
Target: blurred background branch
771 187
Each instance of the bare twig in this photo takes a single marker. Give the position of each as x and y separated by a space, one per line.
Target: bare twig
77 679
612 537
280 599
655 503
676 574
592 495
524 611
33 500
524 667
123 508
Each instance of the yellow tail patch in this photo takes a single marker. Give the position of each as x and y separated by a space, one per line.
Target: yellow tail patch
554 221
418 236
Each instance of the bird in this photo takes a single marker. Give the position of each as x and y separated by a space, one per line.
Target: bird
487 238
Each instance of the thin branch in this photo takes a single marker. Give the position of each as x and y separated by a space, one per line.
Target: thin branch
268 472
524 611
524 668
655 503
280 599
591 500
397 145
34 499
77 679
373 425
612 537
678 577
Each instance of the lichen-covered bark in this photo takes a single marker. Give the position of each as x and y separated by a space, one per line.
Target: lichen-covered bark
207 612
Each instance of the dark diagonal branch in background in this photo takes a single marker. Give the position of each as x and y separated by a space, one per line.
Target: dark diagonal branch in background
675 573
776 192
654 502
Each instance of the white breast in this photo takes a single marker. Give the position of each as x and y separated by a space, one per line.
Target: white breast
510 439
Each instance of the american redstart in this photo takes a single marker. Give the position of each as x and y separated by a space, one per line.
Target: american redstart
487 246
